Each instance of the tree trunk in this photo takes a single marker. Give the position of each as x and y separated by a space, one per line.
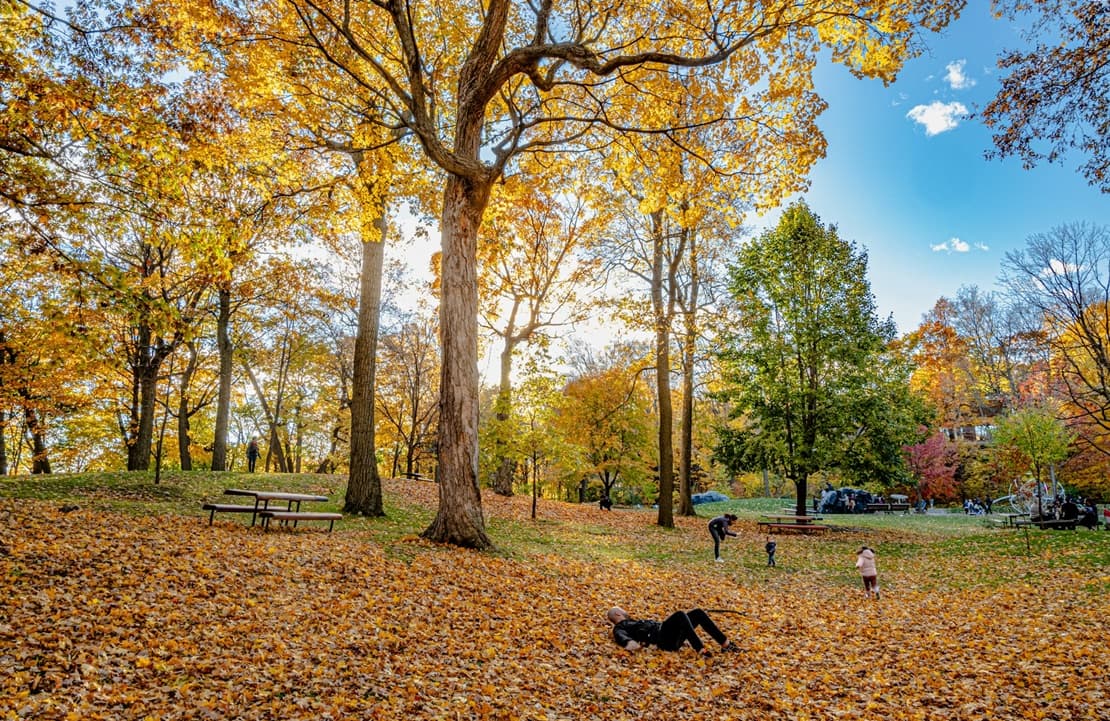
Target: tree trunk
138 453
223 400
802 488
662 377
689 346
685 495
3 444
148 352
40 459
364 485
506 466
459 518
7 356
183 410
273 448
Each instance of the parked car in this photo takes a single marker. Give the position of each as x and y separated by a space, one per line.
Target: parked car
708 497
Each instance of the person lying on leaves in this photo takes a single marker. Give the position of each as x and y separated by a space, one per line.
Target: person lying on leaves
678 628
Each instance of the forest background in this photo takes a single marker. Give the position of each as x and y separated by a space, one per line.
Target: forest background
167 169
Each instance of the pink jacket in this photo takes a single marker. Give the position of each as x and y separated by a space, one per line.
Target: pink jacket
865 562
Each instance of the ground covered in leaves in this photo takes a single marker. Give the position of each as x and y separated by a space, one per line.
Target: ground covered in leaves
106 615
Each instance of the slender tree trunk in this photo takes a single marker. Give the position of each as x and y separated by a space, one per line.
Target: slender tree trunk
40 458
459 518
223 399
138 454
3 443
7 356
689 346
149 351
183 410
506 466
364 485
535 485
162 431
273 448
662 376
685 495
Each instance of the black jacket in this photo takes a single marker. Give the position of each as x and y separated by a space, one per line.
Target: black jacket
642 632
719 526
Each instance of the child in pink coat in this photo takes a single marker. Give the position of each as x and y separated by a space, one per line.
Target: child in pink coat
865 562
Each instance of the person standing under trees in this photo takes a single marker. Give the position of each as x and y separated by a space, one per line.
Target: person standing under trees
718 528
252 454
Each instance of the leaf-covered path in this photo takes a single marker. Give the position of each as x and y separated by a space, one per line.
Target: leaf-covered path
113 616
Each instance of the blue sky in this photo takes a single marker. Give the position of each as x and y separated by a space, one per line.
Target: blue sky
905 175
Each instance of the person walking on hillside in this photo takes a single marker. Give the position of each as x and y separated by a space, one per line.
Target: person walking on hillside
252 454
679 628
865 562
718 528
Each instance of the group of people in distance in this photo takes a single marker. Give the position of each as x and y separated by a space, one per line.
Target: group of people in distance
681 627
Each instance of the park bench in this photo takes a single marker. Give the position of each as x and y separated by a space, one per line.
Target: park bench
215 508
888 507
1058 524
771 526
418 477
286 516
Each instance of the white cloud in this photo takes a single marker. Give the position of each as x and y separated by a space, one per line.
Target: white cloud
1059 267
937 117
955 245
955 77
982 246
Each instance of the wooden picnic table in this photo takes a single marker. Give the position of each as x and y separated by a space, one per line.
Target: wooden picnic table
262 509
1012 518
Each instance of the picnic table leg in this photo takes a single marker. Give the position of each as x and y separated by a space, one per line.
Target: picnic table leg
265 505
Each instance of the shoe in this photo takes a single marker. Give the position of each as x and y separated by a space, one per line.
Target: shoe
719 560
705 653
730 647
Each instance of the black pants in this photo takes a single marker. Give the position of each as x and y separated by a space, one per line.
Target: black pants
251 460
680 628
718 536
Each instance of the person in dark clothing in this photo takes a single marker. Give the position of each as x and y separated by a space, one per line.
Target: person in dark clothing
252 454
718 528
771 547
669 635
606 504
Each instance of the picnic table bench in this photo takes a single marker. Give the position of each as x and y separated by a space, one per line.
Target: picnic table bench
261 506
771 526
418 477
791 523
888 507
286 516
1059 524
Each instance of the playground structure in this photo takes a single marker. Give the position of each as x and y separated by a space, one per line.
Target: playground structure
1028 497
